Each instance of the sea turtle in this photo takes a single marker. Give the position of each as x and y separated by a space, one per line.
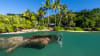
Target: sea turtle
38 42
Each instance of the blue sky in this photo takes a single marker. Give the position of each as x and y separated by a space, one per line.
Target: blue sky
18 6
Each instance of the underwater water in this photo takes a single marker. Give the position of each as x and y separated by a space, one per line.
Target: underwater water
74 44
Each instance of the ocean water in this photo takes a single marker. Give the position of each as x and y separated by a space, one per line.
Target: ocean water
74 44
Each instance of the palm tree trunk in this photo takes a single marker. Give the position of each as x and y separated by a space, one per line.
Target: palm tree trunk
68 21
48 18
60 21
43 20
55 17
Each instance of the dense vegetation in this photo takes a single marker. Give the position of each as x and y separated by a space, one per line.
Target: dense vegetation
64 19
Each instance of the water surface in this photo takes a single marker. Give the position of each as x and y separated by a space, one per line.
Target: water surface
74 44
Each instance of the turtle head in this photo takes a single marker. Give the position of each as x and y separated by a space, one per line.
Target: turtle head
59 39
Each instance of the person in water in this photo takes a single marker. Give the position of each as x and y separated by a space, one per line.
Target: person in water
38 42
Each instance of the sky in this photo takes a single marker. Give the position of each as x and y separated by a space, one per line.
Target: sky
19 6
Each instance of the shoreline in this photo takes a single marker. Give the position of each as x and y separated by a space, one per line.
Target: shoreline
25 31
83 31
35 30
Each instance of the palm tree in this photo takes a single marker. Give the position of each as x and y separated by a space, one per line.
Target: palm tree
47 6
42 12
27 14
70 15
55 5
62 11
60 14
40 15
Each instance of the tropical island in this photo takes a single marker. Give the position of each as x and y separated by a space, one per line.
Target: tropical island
63 19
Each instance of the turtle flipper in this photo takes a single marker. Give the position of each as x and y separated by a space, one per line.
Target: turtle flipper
10 50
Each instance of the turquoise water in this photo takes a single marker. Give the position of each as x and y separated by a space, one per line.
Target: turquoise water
74 44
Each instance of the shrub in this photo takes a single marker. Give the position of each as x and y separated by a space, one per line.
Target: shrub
88 29
9 28
2 27
69 28
59 28
41 27
78 29
2 30
97 29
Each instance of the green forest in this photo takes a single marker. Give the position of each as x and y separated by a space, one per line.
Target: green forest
64 19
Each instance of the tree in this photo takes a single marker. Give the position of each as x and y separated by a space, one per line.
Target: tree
55 5
62 11
34 19
41 15
96 16
47 7
27 14
71 16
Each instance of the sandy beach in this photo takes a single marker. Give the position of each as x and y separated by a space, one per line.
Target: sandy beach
26 30
83 31
36 30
